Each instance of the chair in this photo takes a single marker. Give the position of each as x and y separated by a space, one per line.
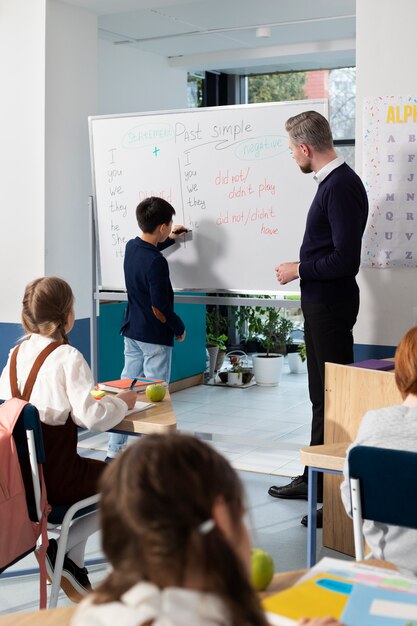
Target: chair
63 515
29 444
374 473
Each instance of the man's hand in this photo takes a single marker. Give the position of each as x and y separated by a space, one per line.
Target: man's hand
180 337
286 272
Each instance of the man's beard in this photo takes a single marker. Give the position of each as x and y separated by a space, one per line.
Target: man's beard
306 169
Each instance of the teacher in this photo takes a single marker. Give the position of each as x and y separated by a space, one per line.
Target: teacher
329 261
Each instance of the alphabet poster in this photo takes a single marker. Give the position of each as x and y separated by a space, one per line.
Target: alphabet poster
390 178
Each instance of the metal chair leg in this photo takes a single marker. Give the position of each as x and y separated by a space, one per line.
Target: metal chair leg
312 517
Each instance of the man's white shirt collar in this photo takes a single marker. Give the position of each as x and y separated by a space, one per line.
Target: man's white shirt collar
325 171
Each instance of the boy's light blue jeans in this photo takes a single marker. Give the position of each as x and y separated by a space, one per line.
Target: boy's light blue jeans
141 359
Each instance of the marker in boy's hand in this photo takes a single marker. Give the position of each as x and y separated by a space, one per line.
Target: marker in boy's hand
178 230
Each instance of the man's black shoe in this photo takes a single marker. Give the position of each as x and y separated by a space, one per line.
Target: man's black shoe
296 489
304 520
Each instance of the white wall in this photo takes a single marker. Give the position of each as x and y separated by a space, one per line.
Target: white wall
22 126
385 61
130 81
71 96
48 78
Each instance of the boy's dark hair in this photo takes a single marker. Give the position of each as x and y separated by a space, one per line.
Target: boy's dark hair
152 212
154 498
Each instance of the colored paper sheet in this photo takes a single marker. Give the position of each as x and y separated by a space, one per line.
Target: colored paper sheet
373 606
321 595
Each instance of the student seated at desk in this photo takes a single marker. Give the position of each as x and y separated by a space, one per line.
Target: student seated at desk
393 427
172 512
46 370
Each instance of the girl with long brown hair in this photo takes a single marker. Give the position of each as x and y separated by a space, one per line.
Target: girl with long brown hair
172 512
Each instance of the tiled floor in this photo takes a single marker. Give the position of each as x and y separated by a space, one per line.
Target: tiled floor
260 430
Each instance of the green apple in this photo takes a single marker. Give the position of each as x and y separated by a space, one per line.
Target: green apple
262 569
155 393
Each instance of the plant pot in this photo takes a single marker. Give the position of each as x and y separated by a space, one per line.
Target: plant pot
213 351
247 377
220 358
235 378
223 376
267 369
297 366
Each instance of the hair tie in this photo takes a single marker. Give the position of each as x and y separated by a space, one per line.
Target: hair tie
205 527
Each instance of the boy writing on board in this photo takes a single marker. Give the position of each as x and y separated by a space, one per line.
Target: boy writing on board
150 321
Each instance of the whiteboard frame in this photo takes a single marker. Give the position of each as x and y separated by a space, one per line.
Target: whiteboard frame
116 290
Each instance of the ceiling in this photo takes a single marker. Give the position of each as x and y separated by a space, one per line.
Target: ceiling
220 35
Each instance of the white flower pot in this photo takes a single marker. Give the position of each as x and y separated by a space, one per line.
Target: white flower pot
267 370
234 378
213 352
297 366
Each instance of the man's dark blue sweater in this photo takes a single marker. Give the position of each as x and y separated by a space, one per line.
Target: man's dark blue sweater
150 313
331 248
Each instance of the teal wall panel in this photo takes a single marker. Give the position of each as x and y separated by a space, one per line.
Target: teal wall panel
189 357
79 337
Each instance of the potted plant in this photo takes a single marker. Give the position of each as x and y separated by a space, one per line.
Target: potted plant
235 374
249 326
239 373
297 358
215 339
276 329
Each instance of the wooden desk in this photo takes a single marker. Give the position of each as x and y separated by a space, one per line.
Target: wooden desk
158 419
50 617
61 616
328 458
349 393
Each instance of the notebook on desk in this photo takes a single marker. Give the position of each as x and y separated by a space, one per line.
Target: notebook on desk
139 406
319 596
123 384
370 606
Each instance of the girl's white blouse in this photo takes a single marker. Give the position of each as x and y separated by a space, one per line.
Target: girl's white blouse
63 386
145 603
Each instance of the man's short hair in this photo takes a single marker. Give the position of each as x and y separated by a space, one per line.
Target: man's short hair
310 128
152 212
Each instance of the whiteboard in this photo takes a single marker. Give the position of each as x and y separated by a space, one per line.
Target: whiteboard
229 174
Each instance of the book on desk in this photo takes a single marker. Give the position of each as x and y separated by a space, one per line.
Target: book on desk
124 384
355 593
375 364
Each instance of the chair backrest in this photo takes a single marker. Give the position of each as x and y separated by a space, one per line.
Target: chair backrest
388 484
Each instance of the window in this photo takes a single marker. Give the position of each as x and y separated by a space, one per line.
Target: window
338 85
194 90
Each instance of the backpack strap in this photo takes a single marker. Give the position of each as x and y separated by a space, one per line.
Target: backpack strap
45 506
25 395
